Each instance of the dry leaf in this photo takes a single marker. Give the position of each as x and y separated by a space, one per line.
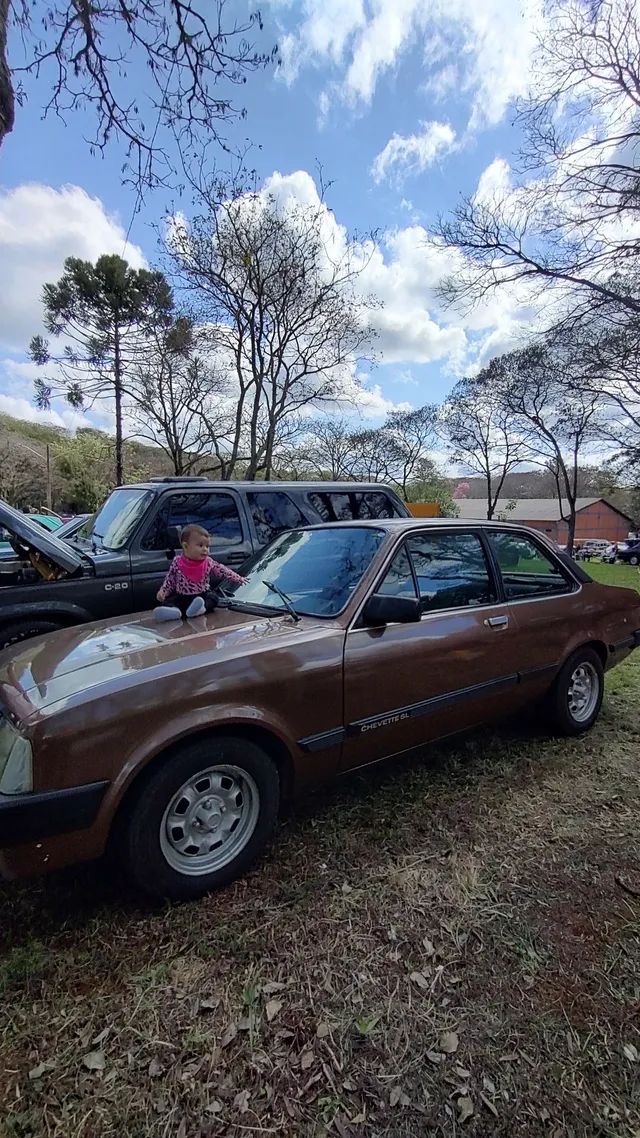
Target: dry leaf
489 1105
41 1069
229 1035
306 1060
214 1107
322 1030
395 1096
434 1057
428 947
241 1101
95 1061
631 1052
182 1129
246 1023
448 1042
272 986
209 1004
462 1072
465 1108
346 888
155 1069
420 979
100 1038
272 1009
488 1084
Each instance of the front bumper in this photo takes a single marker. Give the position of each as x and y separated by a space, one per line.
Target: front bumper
29 817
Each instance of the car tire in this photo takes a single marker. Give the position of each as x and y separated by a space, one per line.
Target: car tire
576 697
634 559
175 841
25 629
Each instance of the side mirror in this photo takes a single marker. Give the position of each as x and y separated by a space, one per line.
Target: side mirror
380 610
173 534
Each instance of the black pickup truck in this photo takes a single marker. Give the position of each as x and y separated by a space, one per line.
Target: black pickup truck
116 562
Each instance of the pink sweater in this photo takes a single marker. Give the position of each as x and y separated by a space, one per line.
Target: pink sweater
176 580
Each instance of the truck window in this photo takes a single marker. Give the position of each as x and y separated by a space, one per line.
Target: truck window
217 513
272 513
348 506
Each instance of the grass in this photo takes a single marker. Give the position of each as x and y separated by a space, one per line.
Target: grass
448 945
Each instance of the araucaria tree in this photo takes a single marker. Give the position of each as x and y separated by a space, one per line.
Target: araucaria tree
100 316
277 288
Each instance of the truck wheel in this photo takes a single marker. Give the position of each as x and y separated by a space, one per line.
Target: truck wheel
25 629
576 697
197 821
634 559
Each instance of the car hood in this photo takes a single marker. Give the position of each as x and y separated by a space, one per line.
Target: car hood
40 539
65 667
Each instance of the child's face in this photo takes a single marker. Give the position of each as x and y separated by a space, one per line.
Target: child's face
196 547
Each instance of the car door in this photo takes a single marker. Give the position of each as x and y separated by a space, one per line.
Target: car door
221 512
544 601
407 683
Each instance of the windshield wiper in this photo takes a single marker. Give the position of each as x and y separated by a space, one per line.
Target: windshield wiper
284 598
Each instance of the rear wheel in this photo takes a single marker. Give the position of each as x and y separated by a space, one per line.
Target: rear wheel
576 697
25 629
198 820
634 559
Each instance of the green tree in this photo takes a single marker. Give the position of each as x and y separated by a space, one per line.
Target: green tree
86 464
104 312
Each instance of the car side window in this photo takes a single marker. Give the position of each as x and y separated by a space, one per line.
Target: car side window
339 506
398 580
272 513
527 570
451 570
217 513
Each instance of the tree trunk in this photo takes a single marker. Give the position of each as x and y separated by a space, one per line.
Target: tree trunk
118 401
7 99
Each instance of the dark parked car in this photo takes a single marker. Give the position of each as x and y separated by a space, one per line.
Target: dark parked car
629 551
176 744
116 563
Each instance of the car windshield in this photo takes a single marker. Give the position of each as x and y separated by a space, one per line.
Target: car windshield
317 569
112 526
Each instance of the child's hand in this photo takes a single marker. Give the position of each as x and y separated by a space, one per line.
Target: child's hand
159 597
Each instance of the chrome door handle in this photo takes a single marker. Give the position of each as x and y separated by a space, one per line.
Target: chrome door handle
497 622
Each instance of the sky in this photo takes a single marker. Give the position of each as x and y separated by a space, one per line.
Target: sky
403 104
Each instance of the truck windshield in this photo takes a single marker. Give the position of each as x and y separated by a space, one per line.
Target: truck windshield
113 525
317 569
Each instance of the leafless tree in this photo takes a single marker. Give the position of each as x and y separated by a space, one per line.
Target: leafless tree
482 436
278 294
173 391
410 435
90 54
572 218
530 386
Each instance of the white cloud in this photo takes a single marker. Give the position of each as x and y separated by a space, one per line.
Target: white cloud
483 50
412 153
39 227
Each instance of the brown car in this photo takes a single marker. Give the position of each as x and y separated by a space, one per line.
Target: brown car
176 744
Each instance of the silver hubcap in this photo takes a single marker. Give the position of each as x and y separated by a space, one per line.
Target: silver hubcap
210 820
584 690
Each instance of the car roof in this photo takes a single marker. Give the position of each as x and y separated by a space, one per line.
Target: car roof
172 481
424 523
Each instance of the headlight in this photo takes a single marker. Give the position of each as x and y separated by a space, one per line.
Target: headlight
16 767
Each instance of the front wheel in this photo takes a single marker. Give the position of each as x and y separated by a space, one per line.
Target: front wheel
634 559
576 697
197 821
25 629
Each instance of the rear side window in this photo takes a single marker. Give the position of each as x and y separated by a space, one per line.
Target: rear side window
527 570
272 513
217 513
451 571
334 506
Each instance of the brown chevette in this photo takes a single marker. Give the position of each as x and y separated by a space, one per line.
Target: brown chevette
177 744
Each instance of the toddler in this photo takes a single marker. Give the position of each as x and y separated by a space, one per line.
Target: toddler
183 592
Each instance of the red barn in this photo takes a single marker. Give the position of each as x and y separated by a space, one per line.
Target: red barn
595 517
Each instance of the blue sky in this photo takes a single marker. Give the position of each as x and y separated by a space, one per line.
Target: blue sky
406 104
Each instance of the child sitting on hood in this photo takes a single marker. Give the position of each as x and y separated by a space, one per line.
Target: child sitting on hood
186 587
